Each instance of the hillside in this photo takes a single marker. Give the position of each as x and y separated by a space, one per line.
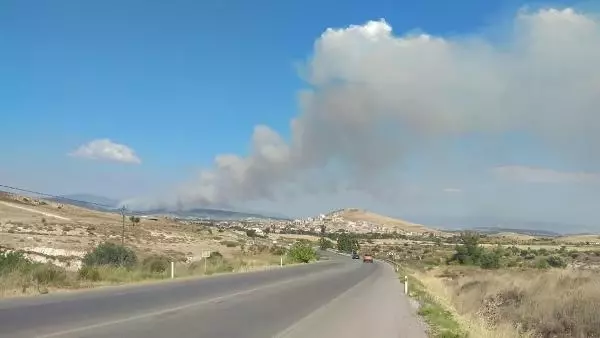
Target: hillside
62 233
353 217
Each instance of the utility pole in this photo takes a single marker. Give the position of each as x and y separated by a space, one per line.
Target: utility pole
123 230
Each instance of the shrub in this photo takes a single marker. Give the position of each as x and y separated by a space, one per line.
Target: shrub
49 274
257 248
110 254
542 263
11 261
489 260
156 263
230 244
302 252
556 262
277 250
325 244
89 273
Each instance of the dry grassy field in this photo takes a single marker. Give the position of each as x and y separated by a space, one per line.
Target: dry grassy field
526 291
514 303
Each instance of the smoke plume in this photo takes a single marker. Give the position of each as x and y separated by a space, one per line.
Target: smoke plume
374 96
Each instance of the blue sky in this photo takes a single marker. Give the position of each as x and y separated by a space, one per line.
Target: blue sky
180 82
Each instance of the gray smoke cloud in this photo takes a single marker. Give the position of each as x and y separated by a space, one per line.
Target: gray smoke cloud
375 96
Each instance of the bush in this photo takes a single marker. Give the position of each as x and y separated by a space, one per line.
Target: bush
542 263
302 252
230 244
277 250
49 274
11 261
156 263
90 273
556 262
489 260
110 254
325 244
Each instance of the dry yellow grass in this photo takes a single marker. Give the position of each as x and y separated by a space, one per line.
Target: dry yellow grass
513 236
22 283
517 303
294 237
543 246
579 239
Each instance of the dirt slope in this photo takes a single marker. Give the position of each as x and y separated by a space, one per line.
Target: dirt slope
362 216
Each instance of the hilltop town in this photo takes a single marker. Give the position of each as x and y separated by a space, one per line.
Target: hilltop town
342 220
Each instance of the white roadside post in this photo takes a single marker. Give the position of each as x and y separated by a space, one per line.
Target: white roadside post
172 270
406 285
281 261
205 255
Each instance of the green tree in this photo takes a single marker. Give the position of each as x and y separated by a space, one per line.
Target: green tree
468 252
325 244
489 260
347 243
134 220
302 252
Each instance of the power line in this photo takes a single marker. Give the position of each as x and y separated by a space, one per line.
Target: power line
111 207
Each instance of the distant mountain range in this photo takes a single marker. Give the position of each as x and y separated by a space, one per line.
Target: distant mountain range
101 203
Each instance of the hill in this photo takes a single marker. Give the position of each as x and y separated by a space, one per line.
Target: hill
354 219
61 233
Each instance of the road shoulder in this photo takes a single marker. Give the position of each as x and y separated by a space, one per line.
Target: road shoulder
375 307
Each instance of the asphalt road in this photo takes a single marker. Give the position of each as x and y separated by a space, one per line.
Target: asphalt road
340 297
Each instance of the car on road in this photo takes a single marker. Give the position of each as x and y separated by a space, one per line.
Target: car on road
367 258
355 255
